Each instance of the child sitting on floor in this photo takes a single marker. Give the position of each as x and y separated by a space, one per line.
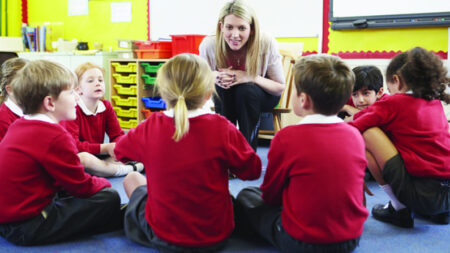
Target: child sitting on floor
38 159
183 204
311 199
95 117
367 90
9 110
409 154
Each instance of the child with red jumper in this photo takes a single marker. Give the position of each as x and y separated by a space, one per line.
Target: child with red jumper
311 199
184 203
38 159
95 117
407 136
367 90
9 110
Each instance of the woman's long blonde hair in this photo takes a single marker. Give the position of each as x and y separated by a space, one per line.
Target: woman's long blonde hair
241 10
184 82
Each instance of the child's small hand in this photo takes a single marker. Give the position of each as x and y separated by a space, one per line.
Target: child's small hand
109 149
366 190
350 110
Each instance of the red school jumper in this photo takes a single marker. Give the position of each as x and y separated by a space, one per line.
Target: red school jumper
38 159
418 129
316 172
7 117
89 130
189 202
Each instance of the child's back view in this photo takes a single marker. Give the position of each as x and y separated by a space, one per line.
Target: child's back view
38 159
407 138
184 202
9 110
311 199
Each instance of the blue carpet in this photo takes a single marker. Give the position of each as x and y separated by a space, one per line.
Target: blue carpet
377 237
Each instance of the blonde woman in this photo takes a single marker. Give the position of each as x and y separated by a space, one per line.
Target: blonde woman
247 68
183 204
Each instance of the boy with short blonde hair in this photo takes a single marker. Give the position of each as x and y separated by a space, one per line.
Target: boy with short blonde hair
38 160
311 199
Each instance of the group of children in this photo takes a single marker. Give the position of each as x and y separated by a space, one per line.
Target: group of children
311 198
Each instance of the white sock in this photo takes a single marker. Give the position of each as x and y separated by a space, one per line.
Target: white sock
123 170
395 202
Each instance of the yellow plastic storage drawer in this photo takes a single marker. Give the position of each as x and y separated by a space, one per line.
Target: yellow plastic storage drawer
129 113
124 67
126 79
122 90
130 101
132 123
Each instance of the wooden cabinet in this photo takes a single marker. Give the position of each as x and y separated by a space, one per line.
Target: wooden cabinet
132 80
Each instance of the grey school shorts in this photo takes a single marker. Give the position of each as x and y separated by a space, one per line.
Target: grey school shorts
138 230
425 196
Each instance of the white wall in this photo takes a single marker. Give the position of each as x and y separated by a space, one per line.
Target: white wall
281 18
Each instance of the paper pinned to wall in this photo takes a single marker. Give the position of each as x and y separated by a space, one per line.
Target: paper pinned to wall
78 7
120 12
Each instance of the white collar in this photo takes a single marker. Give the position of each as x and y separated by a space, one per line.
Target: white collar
14 107
409 92
100 107
190 113
40 117
320 119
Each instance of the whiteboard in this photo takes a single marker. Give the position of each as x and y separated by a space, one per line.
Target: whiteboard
358 8
280 18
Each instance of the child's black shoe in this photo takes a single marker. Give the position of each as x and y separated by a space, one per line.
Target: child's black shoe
231 175
137 166
442 218
387 213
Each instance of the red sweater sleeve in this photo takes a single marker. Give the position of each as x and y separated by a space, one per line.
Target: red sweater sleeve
73 127
3 127
245 163
113 128
122 147
276 174
375 115
63 164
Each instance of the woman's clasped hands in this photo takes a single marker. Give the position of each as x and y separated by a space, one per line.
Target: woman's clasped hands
226 78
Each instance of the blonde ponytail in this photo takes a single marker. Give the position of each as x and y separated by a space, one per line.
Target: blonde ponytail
184 82
180 118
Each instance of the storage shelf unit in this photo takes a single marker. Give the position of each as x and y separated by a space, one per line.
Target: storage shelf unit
131 80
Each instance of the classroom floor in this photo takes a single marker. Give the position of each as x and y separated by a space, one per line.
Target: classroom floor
377 236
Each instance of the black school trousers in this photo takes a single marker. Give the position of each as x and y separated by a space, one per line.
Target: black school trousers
265 221
67 217
243 104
